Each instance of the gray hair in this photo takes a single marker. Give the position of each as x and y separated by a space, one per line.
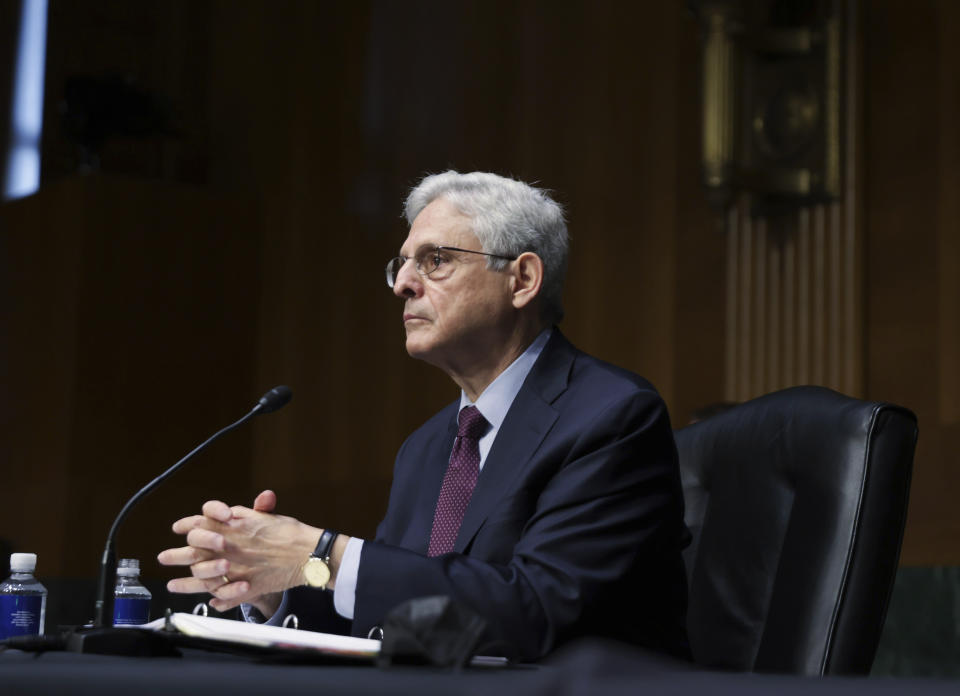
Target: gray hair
509 217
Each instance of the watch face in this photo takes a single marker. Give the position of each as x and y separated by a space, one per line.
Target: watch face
316 573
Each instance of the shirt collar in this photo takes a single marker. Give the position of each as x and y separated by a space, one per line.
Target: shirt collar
497 398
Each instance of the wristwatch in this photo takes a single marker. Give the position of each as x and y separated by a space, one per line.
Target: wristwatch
316 571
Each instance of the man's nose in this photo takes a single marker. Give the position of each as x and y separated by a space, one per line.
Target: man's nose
408 282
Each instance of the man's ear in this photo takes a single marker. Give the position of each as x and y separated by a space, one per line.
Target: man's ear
527 279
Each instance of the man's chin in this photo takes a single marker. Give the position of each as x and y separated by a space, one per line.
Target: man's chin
419 348
416 347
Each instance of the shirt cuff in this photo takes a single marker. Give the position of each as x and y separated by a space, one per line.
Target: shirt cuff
345 593
253 615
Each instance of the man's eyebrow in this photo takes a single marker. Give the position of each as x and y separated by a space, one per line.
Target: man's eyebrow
426 246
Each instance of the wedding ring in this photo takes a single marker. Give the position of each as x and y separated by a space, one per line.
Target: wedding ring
226 580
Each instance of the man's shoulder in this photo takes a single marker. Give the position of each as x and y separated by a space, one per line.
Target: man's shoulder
587 373
600 391
595 370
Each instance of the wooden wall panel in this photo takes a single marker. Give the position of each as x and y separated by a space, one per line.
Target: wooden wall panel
319 117
128 322
862 295
948 212
793 303
39 287
911 224
794 307
9 28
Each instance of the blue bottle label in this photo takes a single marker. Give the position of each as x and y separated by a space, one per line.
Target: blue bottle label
20 615
131 611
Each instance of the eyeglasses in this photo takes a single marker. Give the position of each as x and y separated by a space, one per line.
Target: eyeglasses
434 261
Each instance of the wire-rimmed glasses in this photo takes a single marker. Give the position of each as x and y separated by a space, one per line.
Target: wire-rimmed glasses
431 259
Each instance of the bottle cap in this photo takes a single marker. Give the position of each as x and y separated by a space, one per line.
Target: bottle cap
128 567
23 562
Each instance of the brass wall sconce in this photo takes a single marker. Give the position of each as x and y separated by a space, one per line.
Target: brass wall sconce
771 105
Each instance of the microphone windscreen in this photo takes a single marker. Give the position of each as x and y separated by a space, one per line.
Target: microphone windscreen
276 398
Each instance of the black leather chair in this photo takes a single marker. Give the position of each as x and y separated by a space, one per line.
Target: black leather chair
796 502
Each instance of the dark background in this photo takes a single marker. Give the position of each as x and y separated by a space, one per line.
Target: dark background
234 236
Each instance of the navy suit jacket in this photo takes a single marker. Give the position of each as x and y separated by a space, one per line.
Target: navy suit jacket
575 526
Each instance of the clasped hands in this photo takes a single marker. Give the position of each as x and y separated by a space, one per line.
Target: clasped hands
240 554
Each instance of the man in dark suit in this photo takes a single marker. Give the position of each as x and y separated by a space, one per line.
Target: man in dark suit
547 499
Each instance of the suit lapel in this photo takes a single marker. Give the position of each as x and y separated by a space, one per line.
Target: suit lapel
436 460
527 422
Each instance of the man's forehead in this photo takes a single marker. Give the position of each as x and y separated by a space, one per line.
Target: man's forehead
439 224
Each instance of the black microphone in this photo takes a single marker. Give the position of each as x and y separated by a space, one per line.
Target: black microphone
275 399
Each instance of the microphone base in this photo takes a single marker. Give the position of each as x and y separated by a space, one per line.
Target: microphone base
128 642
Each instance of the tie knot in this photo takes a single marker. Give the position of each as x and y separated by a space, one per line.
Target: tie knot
472 423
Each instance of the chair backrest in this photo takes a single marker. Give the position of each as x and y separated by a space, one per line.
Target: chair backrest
796 502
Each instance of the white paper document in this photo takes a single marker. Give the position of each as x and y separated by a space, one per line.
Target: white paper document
264 636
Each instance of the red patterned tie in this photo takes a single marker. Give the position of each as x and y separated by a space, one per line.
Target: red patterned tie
458 482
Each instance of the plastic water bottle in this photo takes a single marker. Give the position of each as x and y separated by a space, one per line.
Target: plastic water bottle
23 600
131 600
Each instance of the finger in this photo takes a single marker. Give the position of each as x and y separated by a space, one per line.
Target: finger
216 510
232 591
183 556
213 585
185 524
222 605
206 539
265 502
217 568
187 585
229 596
241 512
